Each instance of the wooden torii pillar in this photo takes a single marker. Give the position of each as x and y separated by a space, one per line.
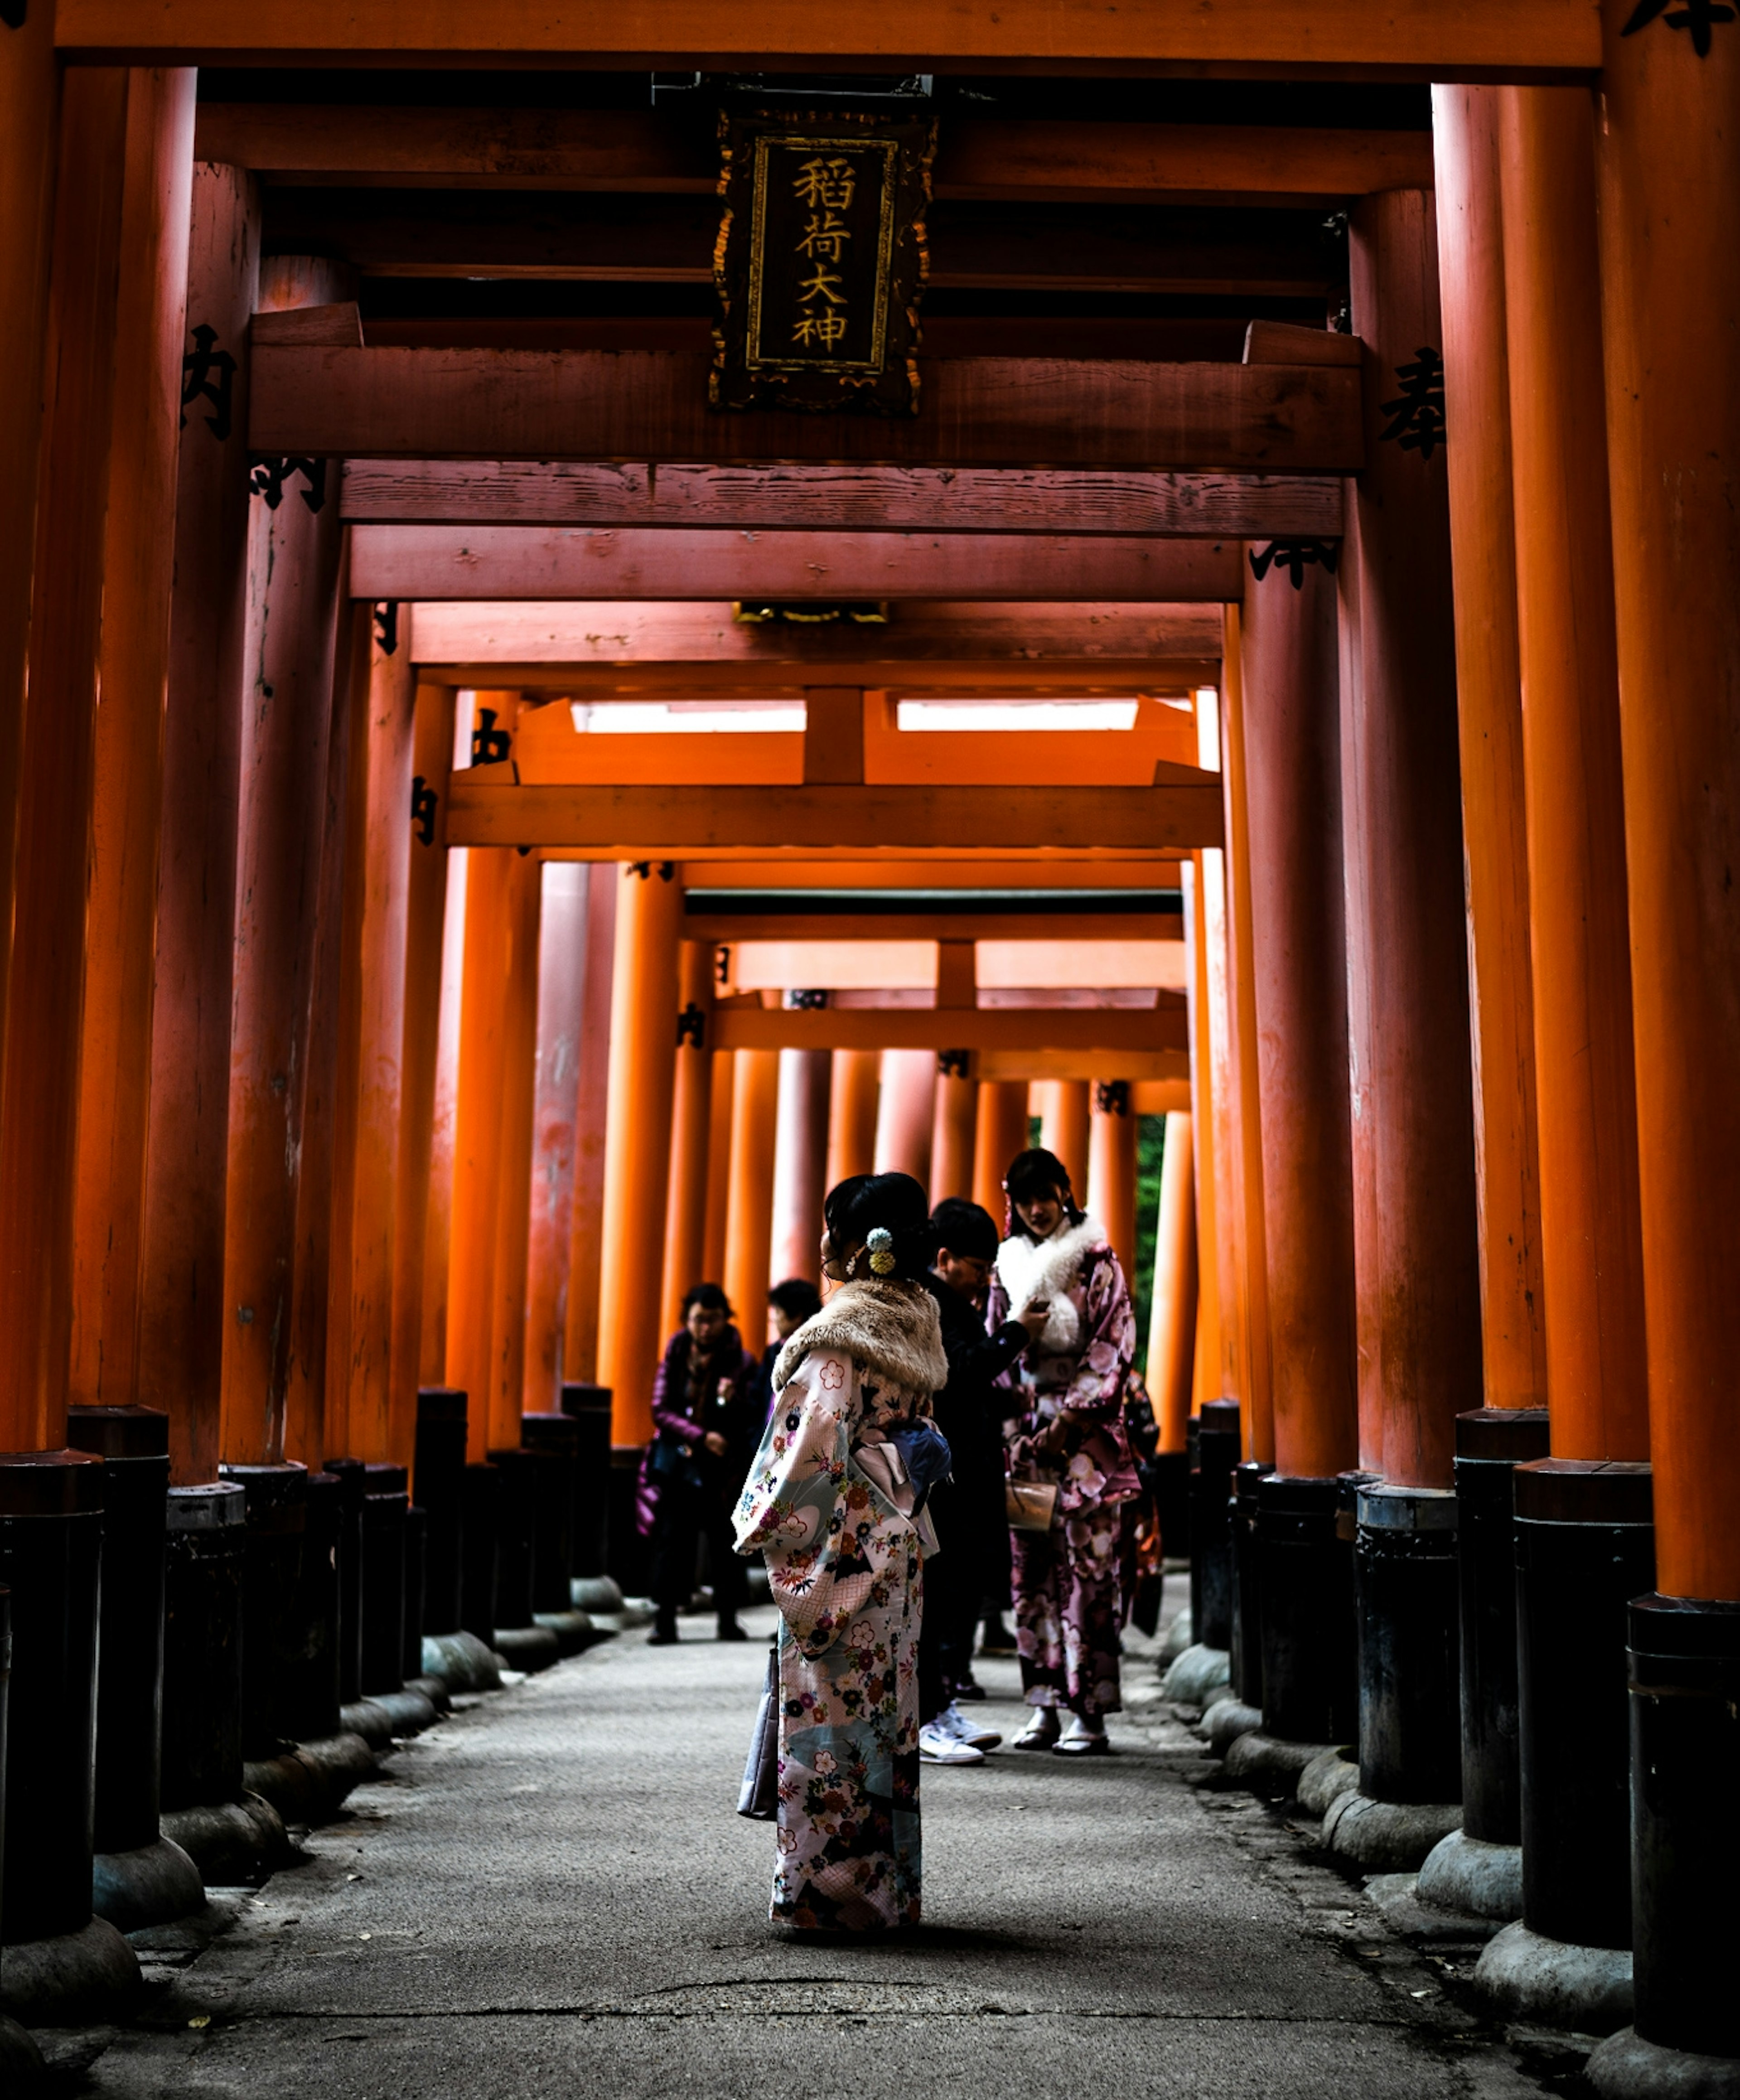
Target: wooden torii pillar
294 552
1415 1232
643 1060
1668 155
100 299
691 1137
1585 1546
1000 1132
1511 1427
1291 774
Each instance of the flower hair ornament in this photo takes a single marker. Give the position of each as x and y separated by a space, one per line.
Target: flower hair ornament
880 1241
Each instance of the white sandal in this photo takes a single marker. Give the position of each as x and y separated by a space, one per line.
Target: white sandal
1041 1733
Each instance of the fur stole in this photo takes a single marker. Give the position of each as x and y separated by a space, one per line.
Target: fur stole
892 1327
1047 1268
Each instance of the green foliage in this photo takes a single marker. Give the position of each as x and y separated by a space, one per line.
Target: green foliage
1151 1144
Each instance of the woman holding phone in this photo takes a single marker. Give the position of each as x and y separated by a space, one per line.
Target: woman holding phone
1057 1269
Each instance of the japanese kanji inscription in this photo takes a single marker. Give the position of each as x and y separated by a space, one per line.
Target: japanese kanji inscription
821 262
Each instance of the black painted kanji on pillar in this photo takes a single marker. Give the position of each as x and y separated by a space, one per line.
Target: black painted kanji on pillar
1295 557
1696 18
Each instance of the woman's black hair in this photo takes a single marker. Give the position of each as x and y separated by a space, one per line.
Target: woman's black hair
710 1297
964 1228
797 1298
856 1206
1035 1173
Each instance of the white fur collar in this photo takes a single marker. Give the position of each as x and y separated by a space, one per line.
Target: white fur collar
892 1327
1047 1268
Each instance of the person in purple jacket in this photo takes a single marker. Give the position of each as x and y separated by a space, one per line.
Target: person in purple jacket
706 1428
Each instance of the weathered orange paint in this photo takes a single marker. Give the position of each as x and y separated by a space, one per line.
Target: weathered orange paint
749 1226
800 1165
425 944
721 1089
294 556
638 1149
1291 772
29 122
507 1387
1257 1417
1415 1235
1669 160
1172 1326
183 1310
39 1105
1064 1109
1477 394
1591 1229
438 1210
906 1111
1112 1171
133 671
691 1130
484 1032
580 1348
1205 1364
561 999
369 1414
1001 1133
953 1135
853 1098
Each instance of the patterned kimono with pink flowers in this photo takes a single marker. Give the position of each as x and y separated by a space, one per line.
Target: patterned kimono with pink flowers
843 1561
1067 1597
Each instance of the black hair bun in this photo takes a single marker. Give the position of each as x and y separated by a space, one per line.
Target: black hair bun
893 1204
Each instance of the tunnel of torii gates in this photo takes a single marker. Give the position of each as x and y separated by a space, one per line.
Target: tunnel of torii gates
1330 411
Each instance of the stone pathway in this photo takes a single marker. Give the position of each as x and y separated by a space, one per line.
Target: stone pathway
550 1895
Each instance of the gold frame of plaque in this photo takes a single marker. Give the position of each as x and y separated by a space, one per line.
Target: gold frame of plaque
821 261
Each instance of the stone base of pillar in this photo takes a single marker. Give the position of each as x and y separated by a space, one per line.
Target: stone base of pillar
1196 1676
573 1630
1223 1723
433 1689
595 1593
1553 1983
1269 1765
230 1841
1397 1897
145 1885
308 1782
527 1647
1626 2067
1470 1875
22 2070
73 1979
461 1662
1177 1637
1386 1836
409 1711
1329 1774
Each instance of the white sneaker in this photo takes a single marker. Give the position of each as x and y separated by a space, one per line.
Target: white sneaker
938 1746
964 1732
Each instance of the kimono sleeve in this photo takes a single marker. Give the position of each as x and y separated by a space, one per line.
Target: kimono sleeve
1108 1343
792 1508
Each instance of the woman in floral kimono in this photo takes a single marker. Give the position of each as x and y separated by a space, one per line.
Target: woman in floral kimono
1069 1390
831 1501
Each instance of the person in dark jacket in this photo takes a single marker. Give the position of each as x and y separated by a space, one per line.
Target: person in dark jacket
790 1304
706 1429
968 1508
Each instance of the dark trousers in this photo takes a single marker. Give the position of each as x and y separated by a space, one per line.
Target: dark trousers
955 1581
685 1515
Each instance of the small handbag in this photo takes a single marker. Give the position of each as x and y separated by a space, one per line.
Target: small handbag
1030 1505
758 1797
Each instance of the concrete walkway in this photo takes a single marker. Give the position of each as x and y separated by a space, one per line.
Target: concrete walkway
551 1895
